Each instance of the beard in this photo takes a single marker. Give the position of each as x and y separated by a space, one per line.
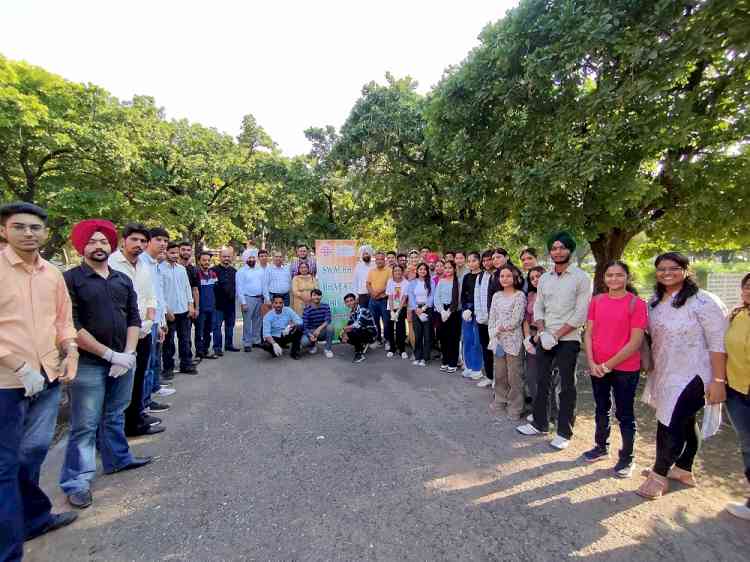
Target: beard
251 263
366 259
98 256
566 259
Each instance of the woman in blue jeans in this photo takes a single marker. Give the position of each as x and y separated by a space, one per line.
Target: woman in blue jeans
614 332
737 341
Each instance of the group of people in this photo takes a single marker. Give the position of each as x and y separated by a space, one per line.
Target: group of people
107 327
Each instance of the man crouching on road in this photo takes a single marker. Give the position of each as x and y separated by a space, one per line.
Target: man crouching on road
360 330
281 325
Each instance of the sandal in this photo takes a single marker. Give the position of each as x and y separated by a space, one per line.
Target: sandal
683 476
654 487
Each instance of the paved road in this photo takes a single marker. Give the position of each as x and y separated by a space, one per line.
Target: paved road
325 460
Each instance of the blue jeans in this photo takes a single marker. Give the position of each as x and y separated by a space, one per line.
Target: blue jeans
203 327
326 336
226 317
379 309
27 426
738 407
97 419
473 358
152 376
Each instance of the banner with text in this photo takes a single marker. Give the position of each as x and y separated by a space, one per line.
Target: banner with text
336 260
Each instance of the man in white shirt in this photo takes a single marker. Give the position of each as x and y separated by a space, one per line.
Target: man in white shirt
361 271
251 280
135 238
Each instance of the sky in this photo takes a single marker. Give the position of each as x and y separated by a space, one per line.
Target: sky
292 64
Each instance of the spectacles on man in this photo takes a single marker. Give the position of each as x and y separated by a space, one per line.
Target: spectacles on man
21 228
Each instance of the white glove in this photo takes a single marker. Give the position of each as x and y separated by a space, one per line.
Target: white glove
445 314
116 371
482 318
277 349
32 380
529 345
423 317
548 340
285 331
466 315
126 360
394 316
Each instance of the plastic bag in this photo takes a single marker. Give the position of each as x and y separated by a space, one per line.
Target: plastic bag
711 420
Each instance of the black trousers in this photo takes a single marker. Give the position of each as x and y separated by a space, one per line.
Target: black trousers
679 442
135 418
622 385
364 300
564 355
422 337
487 357
180 327
359 338
397 332
450 339
294 337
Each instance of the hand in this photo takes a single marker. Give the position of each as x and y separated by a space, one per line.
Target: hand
243 307
716 392
192 312
162 334
348 328
313 337
116 371
344 337
126 360
529 345
548 340
466 315
69 367
596 370
170 317
32 380
277 349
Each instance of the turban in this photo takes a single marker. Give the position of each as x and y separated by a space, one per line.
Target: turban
82 232
247 253
365 249
564 238
432 257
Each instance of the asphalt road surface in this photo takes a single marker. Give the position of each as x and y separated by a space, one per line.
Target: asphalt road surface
317 459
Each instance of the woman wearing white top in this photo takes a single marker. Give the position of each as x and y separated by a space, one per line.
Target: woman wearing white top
396 289
507 313
687 327
420 300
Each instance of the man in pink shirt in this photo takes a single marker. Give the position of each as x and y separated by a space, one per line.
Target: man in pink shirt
37 352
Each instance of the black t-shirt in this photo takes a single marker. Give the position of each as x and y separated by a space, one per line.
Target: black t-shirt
192 273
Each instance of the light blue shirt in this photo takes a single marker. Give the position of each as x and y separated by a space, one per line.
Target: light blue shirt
411 291
176 287
250 283
278 280
274 323
153 266
444 294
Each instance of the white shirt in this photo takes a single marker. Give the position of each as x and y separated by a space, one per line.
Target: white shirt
161 306
360 276
142 283
250 282
563 298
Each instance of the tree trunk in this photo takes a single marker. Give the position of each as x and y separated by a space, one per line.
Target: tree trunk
607 247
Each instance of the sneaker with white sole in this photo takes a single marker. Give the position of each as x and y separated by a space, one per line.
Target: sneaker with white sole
389 354
530 418
404 355
451 370
387 346
559 442
624 468
443 368
313 350
484 383
528 429
422 363
741 510
415 362
476 376
329 353
376 344
165 392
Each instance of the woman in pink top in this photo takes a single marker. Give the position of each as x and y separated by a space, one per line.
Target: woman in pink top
614 332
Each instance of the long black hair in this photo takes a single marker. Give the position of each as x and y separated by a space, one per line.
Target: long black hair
529 285
515 272
621 264
689 286
455 294
743 306
427 280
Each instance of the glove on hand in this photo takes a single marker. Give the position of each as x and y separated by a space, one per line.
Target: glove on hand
529 345
117 371
277 349
445 314
547 340
126 360
466 315
32 380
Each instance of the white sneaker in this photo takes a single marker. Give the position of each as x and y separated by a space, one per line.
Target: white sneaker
443 368
451 370
530 418
329 353
165 392
476 376
389 354
387 346
740 510
528 429
313 350
484 383
559 442
375 344
415 362
422 363
467 373
404 355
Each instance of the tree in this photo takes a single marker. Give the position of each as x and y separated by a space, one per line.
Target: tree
608 118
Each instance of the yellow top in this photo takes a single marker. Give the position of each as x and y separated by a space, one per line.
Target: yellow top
738 353
301 287
378 278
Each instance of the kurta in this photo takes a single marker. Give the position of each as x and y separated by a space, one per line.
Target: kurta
302 285
681 339
507 312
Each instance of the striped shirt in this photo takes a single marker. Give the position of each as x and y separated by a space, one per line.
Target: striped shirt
278 280
314 316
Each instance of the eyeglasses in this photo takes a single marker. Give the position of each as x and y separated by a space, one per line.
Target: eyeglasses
21 228
663 270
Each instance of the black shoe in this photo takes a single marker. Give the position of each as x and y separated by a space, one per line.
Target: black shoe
219 353
248 349
259 345
151 420
147 430
58 521
156 407
81 500
596 454
232 349
210 356
359 357
197 360
167 375
295 356
137 462
189 371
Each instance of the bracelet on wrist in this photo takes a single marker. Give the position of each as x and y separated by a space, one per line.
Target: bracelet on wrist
720 380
